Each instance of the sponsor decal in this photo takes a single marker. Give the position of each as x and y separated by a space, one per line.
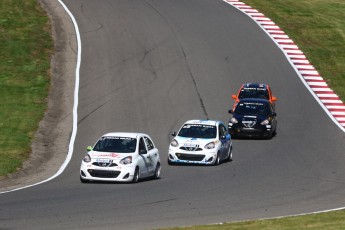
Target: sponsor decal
249 124
253 89
112 155
198 125
190 145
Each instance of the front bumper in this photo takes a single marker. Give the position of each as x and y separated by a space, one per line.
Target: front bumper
205 157
95 173
257 131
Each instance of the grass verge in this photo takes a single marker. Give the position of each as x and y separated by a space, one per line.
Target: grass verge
330 221
25 52
318 28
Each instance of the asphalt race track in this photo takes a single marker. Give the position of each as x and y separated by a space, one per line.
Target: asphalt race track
148 66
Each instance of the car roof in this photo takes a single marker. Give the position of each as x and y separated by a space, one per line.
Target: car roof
203 122
255 85
123 134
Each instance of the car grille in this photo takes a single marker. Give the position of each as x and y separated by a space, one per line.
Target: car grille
99 164
190 157
249 123
191 148
103 173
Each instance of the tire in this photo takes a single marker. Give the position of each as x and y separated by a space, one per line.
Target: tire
170 162
136 176
157 171
275 131
82 180
217 161
269 136
229 158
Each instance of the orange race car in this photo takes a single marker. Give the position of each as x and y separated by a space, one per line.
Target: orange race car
254 90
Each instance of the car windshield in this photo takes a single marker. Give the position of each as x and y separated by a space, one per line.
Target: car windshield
254 93
116 144
252 108
198 131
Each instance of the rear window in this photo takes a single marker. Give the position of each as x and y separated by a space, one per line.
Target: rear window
254 92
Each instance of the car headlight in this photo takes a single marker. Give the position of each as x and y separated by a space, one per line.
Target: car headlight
87 158
233 120
210 145
126 160
174 143
265 122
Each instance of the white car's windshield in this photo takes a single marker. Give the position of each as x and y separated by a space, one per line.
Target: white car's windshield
198 131
116 144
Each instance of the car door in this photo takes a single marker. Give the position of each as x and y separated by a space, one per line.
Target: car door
224 138
274 117
152 153
144 158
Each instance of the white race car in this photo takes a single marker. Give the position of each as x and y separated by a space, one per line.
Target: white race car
201 142
121 157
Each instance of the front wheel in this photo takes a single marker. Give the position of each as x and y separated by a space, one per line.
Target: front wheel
229 157
157 171
136 175
82 180
170 162
217 161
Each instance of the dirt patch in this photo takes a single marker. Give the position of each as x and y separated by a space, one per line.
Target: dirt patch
50 147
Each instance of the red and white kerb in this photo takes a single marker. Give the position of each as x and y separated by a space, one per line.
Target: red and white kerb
330 102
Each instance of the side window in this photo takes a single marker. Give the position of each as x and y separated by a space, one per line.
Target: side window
270 92
223 130
149 143
271 108
142 147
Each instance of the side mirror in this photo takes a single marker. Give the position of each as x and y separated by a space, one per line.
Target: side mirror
234 96
142 151
174 134
230 111
274 98
89 148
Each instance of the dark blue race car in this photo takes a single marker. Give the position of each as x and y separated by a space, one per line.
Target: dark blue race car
253 118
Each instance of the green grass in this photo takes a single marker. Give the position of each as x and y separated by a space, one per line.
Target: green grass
330 221
25 52
318 28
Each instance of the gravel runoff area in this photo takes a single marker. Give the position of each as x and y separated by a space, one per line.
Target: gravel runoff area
50 146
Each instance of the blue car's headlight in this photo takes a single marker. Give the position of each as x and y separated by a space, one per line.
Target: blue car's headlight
210 145
174 143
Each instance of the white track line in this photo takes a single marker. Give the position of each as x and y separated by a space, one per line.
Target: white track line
75 107
316 85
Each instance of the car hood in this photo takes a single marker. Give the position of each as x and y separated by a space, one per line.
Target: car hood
108 155
193 142
257 118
